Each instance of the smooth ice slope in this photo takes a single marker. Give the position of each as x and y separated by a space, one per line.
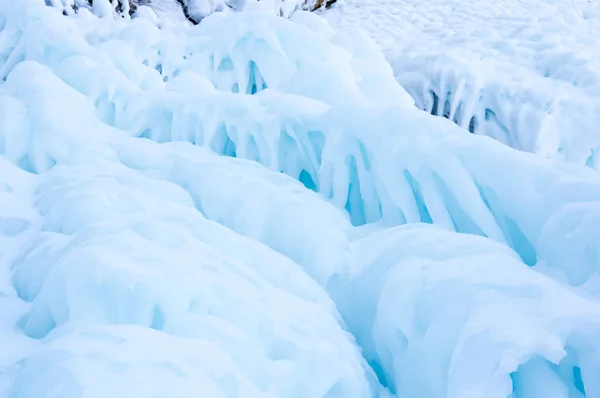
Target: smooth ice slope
524 72
217 210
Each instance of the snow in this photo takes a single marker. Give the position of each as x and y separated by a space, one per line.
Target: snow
243 208
523 72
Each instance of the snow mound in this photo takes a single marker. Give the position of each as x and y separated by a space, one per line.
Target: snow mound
218 208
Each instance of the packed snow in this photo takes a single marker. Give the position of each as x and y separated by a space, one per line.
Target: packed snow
254 207
525 72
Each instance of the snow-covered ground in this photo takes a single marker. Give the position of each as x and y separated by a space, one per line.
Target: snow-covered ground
526 72
244 208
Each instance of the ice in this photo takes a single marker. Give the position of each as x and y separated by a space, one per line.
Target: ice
523 72
241 208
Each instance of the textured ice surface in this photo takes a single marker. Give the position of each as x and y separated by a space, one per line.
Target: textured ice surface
521 71
240 209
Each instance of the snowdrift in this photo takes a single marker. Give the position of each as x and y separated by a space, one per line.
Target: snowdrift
240 209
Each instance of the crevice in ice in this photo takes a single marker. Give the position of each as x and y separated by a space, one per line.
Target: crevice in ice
418 196
355 205
306 179
473 124
461 220
498 130
222 141
521 115
447 107
435 101
513 234
226 65
256 83
25 164
158 318
381 374
540 378
497 112
451 107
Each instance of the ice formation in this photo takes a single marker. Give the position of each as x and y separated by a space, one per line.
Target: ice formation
523 72
243 208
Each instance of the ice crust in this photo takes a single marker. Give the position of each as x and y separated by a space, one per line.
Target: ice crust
243 208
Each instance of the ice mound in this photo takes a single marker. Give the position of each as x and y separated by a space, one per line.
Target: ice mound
475 321
217 209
